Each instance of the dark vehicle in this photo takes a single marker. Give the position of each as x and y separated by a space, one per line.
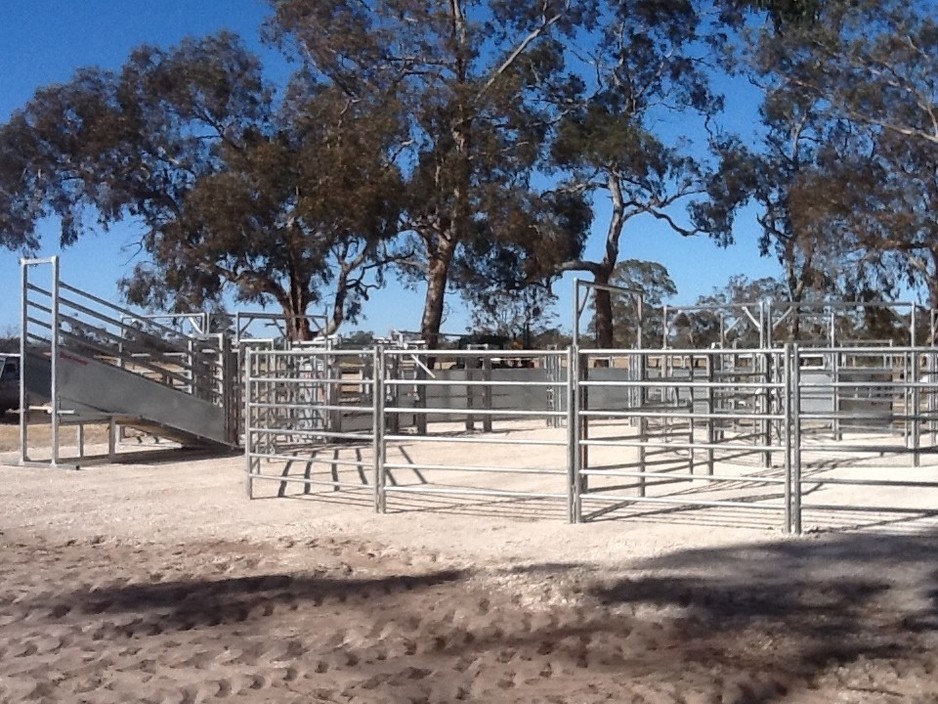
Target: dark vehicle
9 383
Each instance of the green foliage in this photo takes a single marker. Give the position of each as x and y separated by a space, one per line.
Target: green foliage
729 315
286 203
732 315
518 315
786 177
468 76
850 101
649 60
788 13
419 135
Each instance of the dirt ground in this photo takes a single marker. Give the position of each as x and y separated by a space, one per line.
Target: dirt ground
156 580
40 431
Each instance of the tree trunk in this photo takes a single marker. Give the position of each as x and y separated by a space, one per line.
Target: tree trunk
795 282
437 276
602 301
601 275
338 305
298 327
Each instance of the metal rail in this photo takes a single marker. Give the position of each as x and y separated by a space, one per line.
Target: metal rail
687 429
88 360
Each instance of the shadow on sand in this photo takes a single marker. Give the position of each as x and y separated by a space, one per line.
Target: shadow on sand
748 623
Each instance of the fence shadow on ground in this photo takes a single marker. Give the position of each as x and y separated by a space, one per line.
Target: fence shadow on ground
352 485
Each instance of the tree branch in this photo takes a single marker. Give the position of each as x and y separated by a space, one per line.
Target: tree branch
534 35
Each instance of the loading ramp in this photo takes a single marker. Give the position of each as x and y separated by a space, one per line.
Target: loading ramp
86 360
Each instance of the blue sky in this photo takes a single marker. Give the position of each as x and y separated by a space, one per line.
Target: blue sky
45 41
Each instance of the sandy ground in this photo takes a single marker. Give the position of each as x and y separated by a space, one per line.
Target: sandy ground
155 579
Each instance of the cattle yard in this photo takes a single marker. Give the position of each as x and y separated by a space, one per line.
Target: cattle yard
829 431
831 435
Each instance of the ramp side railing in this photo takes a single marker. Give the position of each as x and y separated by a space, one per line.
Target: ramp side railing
89 326
60 319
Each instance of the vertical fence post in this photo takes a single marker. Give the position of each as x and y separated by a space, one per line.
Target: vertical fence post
795 444
930 396
766 408
378 426
420 393
394 366
583 427
643 400
191 370
332 375
249 391
711 411
691 388
836 377
574 509
229 388
24 329
487 394
470 373
906 399
111 440
786 394
56 339
915 407
551 391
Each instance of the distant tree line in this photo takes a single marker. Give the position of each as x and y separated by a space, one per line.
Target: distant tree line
473 147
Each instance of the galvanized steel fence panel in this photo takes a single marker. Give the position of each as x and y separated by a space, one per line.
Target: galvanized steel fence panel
673 429
689 416
298 401
881 412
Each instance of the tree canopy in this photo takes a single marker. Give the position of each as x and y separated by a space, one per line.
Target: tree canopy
648 62
470 145
646 287
277 202
846 171
468 77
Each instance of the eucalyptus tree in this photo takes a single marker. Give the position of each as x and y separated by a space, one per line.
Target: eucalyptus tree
470 75
290 202
304 214
869 69
649 285
786 173
726 315
647 66
871 61
519 315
